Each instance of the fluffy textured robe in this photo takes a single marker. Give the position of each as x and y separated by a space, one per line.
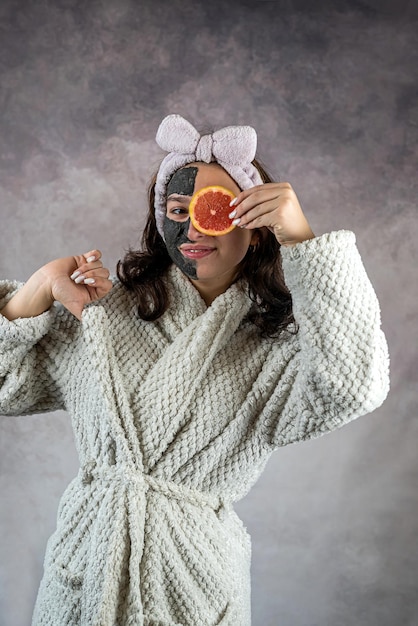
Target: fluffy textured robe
174 420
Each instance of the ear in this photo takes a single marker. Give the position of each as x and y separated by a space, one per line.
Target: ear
255 239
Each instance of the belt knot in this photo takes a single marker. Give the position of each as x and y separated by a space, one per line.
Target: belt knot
127 476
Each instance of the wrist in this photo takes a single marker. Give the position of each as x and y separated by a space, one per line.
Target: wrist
34 298
290 244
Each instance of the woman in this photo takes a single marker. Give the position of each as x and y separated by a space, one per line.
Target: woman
182 378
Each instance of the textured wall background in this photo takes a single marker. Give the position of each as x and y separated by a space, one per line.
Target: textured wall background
333 95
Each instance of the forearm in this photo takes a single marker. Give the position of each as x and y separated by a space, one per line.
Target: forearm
32 299
343 355
28 370
341 368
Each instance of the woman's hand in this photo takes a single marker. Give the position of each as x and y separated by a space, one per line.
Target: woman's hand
76 281
275 206
73 281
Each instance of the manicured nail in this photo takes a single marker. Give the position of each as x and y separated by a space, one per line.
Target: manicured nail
73 276
90 259
237 221
89 281
233 214
233 202
79 280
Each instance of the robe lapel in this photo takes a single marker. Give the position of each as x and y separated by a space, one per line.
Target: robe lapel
167 393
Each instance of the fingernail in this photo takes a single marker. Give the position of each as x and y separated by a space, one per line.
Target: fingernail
233 214
79 279
237 221
75 274
233 202
89 281
90 259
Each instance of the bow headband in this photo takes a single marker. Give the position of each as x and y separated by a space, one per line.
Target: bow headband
232 147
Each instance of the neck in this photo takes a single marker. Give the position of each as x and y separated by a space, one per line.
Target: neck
212 288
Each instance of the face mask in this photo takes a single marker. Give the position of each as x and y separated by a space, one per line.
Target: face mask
175 233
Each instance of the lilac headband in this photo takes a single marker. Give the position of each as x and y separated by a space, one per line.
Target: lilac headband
232 147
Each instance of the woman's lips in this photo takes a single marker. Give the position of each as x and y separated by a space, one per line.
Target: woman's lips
196 252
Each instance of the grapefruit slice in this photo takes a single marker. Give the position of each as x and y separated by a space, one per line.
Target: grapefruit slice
209 209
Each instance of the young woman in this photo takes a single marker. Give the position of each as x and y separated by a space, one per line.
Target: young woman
182 376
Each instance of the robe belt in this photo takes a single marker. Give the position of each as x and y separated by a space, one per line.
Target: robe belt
122 487
92 472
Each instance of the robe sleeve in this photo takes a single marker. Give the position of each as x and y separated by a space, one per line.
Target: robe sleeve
34 358
341 370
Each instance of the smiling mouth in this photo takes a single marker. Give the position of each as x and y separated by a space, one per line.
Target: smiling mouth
198 252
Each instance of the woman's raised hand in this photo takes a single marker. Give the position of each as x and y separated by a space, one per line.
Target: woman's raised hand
76 281
73 281
275 206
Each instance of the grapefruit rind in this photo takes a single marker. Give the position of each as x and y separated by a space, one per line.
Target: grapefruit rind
218 223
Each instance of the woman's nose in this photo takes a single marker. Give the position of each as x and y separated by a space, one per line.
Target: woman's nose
192 233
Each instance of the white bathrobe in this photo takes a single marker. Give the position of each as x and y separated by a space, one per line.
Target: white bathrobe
174 420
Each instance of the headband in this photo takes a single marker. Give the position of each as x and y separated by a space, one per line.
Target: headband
233 147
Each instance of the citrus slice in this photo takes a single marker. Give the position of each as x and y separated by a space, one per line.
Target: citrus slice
209 209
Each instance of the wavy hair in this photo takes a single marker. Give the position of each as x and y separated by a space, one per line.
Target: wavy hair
144 272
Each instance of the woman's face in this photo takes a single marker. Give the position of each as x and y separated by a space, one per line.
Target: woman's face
211 263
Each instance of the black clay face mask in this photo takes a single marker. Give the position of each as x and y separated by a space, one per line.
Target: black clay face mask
182 183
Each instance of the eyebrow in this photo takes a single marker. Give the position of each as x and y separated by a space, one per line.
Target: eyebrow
178 198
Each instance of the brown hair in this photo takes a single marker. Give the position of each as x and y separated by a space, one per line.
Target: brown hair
144 272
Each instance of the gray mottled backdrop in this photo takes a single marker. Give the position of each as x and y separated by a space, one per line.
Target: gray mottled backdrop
333 95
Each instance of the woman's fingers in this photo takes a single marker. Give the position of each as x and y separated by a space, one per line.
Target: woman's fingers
93 255
99 288
84 269
85 263
90 277
275 206
264 208
78 280
260 215
259 193
256 197
91 273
